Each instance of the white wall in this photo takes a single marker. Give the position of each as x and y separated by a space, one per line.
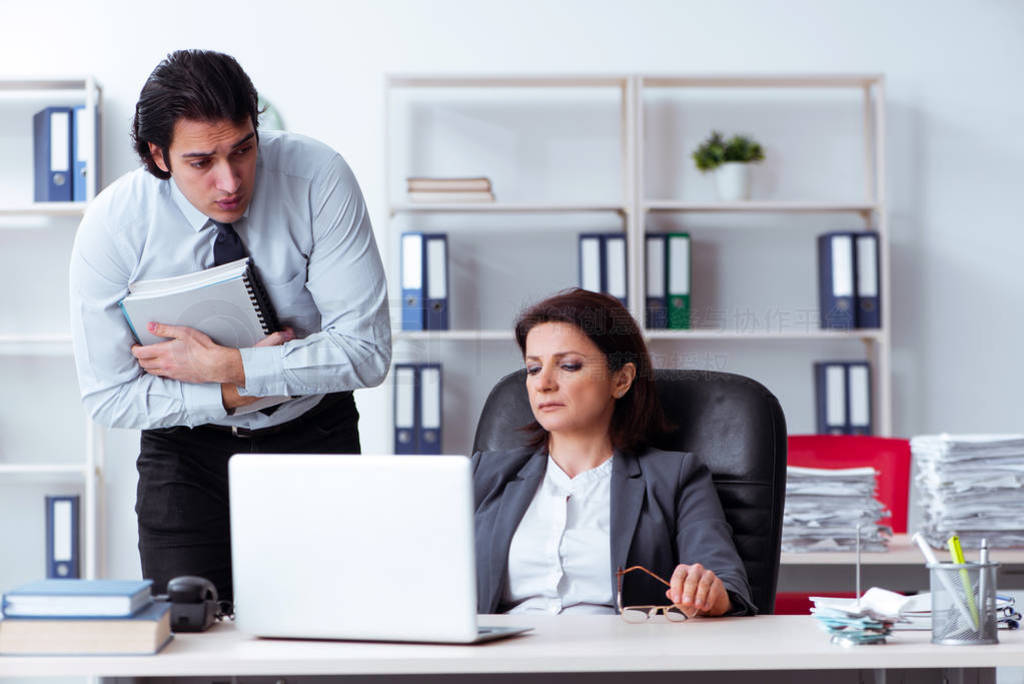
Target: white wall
955 151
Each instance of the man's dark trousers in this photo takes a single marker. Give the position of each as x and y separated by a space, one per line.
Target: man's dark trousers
182 498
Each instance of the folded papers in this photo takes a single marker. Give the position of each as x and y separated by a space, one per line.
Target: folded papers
824 507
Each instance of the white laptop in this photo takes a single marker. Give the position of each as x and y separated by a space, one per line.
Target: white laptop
355 547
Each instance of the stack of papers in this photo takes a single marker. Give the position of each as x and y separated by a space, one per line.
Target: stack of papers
825 506
971 486
879 611
852 622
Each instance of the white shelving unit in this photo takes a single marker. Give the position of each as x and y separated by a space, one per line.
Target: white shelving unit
870 209
636 205
87 471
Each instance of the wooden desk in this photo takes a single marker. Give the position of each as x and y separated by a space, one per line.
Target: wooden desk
592 647
901 568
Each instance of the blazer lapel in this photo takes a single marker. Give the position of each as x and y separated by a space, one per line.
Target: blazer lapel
516 498
627 500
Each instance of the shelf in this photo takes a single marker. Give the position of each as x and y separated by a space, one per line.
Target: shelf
698 334
764 81
649 81
20 85
47 471
46 209
438 335
503 208
504 81
35 345
766 206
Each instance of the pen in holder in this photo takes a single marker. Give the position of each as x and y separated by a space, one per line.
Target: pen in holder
963 603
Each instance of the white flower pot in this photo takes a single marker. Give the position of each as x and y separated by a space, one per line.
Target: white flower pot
733 181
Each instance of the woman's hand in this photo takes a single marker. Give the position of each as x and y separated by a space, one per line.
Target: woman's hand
698 591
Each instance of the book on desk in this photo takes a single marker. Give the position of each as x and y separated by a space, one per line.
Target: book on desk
84 617
146 632
54 598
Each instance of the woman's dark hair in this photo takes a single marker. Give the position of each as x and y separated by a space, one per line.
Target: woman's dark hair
192 84
638 418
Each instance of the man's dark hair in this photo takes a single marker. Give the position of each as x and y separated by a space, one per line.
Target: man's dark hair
192 84
638 419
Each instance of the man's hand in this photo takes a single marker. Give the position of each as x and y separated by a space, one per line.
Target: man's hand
229 395
231 399
191 356
698 591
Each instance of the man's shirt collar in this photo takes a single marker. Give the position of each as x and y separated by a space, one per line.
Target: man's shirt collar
197 219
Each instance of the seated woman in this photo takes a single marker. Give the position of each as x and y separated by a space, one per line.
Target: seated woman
589 496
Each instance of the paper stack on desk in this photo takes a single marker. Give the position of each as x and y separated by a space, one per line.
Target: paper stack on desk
824 507
971 486
867 620
880 611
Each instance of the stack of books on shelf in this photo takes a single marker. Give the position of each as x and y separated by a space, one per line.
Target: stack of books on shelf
84 617
971 486
454 190
825 506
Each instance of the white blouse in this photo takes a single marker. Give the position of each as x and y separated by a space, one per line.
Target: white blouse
559 560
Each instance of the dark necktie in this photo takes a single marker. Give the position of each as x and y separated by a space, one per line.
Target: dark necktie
227 246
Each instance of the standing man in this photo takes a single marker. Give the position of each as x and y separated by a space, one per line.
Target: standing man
214 189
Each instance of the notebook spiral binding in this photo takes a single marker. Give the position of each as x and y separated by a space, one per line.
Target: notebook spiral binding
261 301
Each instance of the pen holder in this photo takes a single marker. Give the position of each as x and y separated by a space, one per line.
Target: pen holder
963 603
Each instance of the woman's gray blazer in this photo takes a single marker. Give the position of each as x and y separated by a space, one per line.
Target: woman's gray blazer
664 512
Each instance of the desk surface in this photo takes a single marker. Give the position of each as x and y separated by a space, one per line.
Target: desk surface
902 551
557 644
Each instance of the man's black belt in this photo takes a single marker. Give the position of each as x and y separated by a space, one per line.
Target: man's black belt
330 401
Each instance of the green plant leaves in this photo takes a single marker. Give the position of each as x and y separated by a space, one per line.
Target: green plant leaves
715 151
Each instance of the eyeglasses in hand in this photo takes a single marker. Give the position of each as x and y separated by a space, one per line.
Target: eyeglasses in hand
637 614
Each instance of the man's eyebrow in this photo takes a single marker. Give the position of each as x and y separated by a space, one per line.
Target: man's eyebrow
210 154
244 140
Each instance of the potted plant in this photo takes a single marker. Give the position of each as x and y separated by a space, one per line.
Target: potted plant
730 160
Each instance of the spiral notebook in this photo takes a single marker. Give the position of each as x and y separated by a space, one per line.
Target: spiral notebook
227 302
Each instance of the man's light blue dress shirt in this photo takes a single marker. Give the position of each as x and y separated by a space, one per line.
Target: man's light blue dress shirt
309 235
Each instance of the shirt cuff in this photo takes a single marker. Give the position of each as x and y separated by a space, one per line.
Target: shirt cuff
263 368
203 402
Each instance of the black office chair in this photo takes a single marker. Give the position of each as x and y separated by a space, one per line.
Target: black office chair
732 422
